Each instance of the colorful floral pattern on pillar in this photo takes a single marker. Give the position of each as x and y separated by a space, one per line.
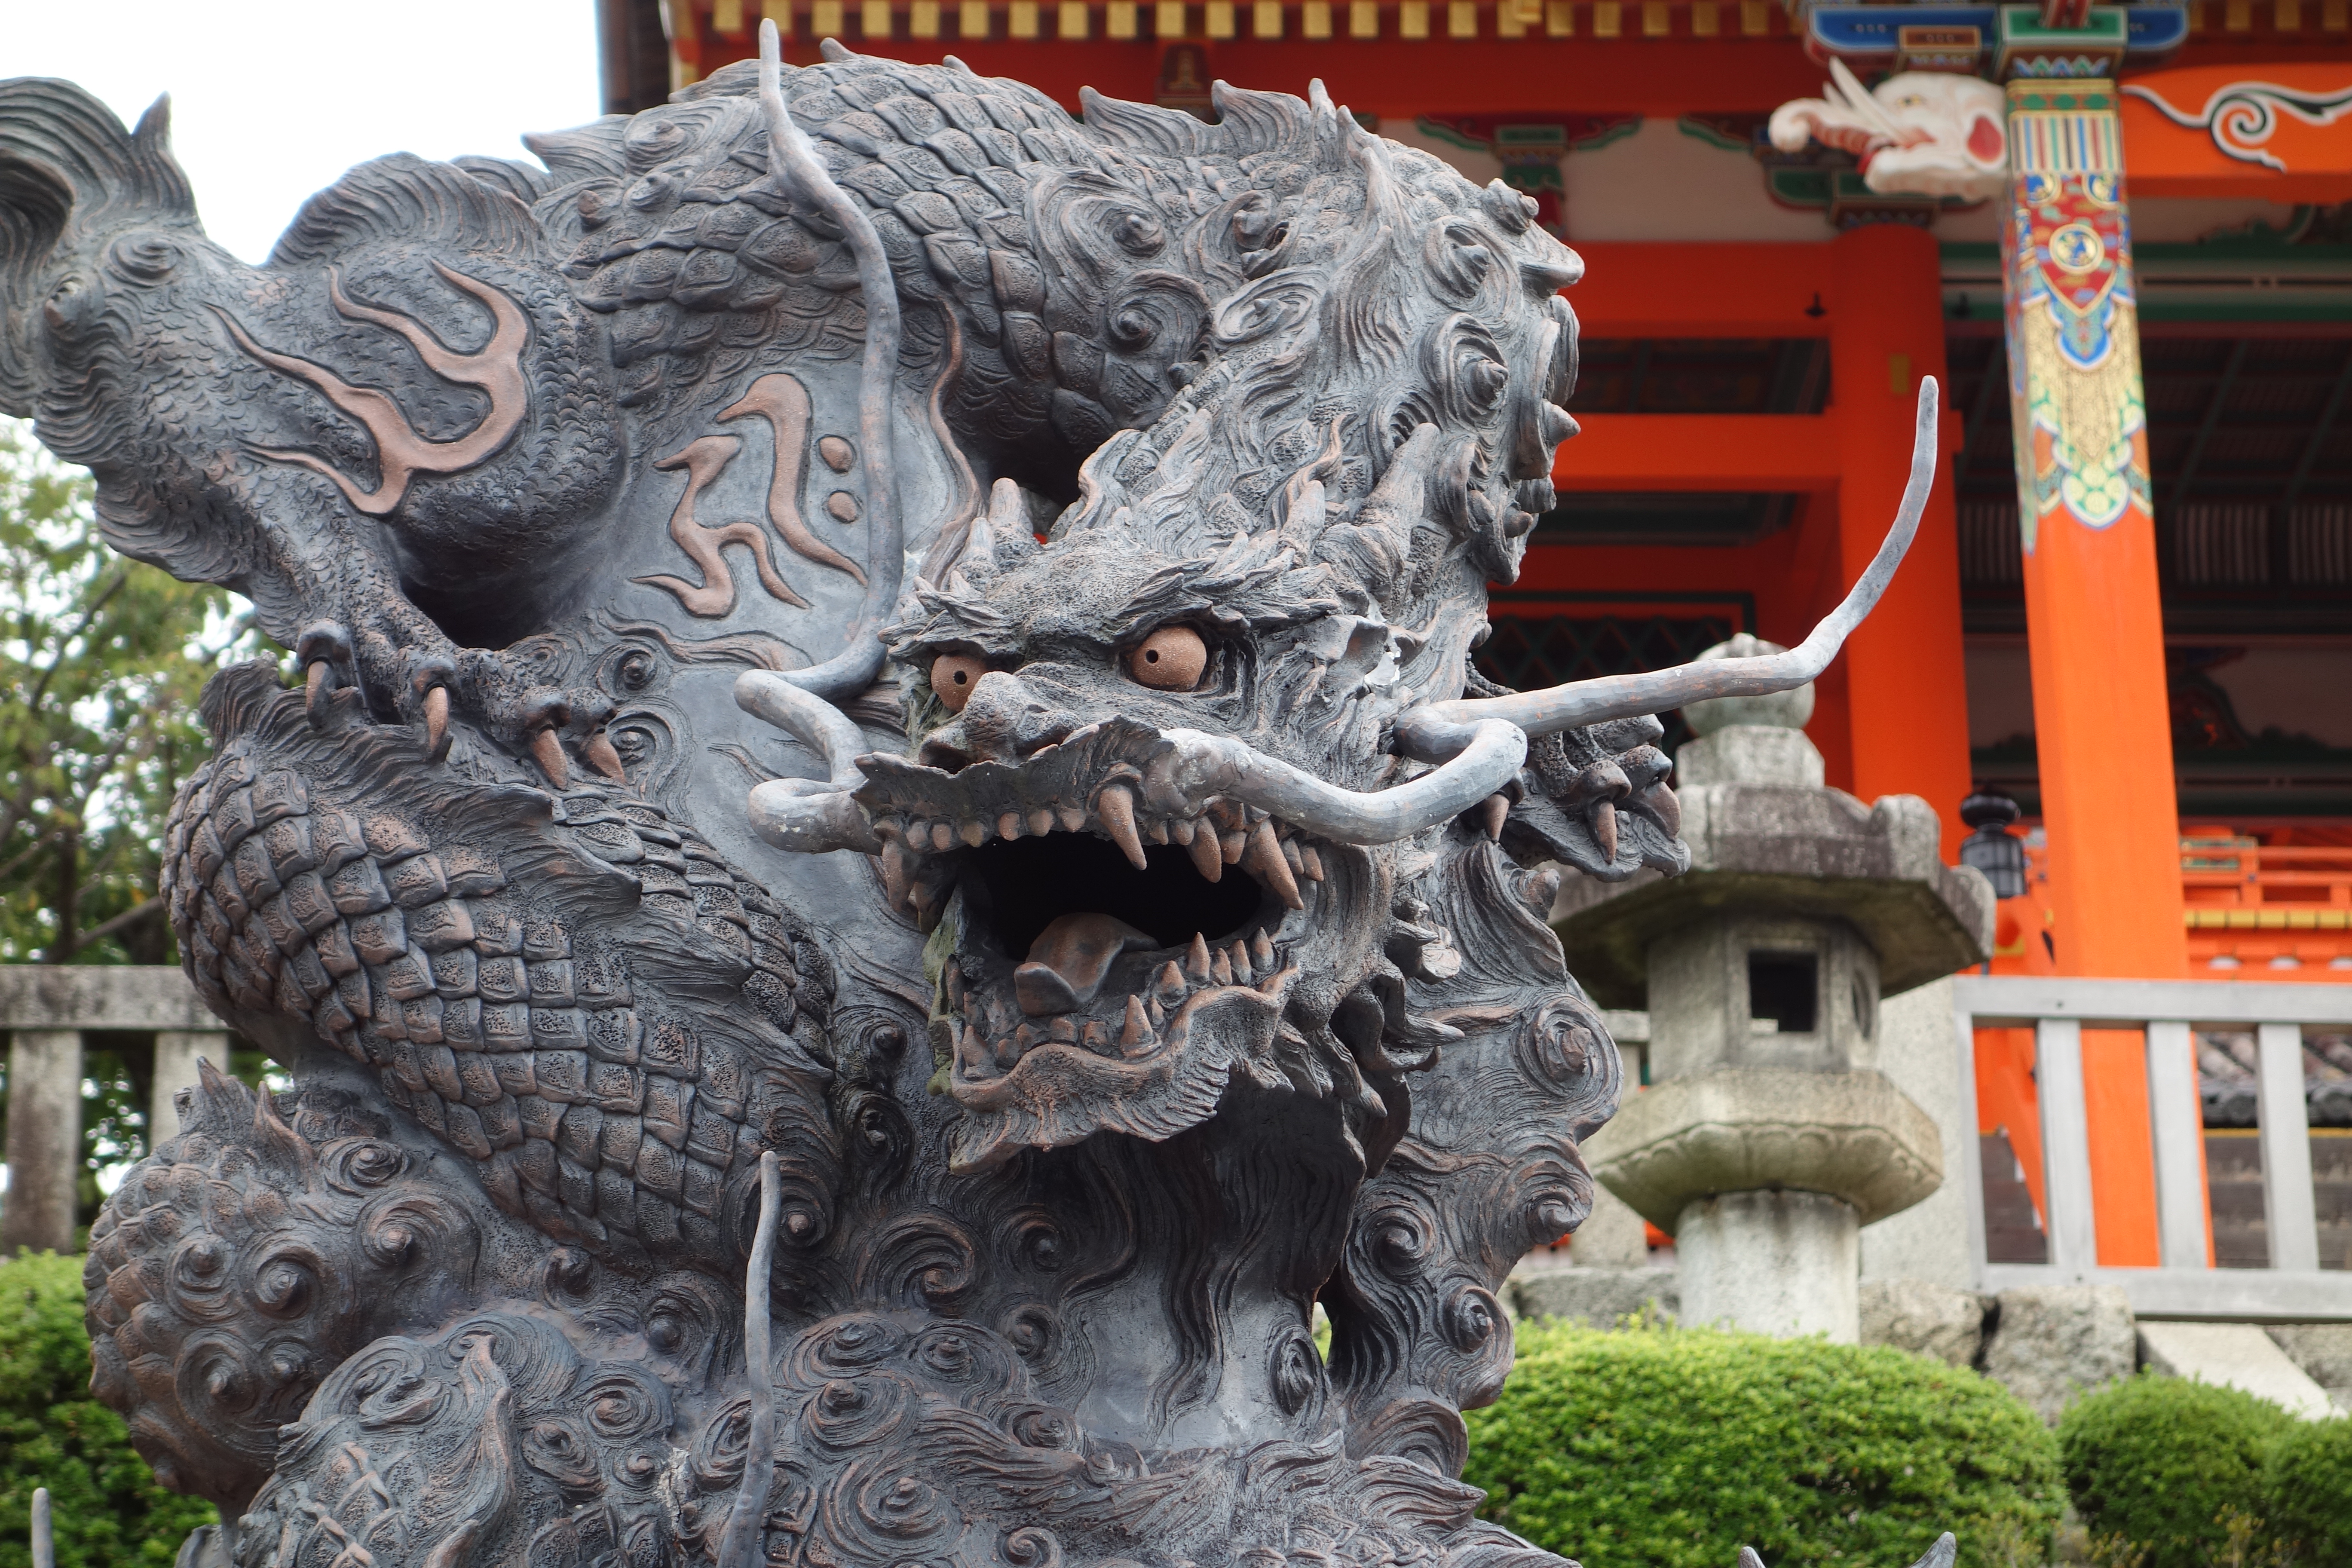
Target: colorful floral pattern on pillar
2080 413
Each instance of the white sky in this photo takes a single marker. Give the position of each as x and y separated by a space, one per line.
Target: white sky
271 100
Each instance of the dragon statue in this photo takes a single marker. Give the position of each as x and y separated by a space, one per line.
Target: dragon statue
887 862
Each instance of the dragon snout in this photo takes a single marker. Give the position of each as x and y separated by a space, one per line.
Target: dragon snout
1003 721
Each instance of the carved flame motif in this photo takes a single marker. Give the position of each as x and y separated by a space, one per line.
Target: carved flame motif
401 453
714 597
782 401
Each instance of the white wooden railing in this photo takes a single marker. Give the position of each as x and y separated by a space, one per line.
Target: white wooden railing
2293 1288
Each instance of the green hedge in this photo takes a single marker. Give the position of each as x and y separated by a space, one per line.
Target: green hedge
1673 1448
2193 1474
2307 1489
108 1510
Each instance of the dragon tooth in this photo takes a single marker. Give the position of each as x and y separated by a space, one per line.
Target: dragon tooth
1095 1035
1267 862
973 833
1062 1029
1157 1014
1072 818
1041 822
1290 855
547 749
1115 807
1137 1032
1196 959
598 748
1262 950
1271 984
1024 1037
1310 862
1180 830
1207 859
1170 986
1493 810
1221 968
942 836
897 877
1239 955
1157 831
1230 846
1604 828
1009 826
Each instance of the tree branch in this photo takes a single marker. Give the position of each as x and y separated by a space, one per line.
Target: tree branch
129 917
41 687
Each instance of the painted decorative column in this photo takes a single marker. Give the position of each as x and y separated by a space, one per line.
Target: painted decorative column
2094 614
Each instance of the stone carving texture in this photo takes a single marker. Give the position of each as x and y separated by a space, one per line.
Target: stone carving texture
1137 932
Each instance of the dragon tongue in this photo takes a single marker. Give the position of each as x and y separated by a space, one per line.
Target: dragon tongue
1069 960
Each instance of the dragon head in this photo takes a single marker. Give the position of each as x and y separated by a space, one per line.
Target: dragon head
1146 807
1931 133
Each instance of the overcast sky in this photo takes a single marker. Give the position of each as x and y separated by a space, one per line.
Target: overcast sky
273 98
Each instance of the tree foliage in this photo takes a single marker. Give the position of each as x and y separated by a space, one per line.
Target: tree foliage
101 659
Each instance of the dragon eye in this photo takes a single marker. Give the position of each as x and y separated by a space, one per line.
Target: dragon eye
953 675
1170 659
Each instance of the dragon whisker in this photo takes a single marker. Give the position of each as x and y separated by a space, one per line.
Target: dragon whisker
1434 728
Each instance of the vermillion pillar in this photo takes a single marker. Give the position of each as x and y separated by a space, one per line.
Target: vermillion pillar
1906 680
2094 620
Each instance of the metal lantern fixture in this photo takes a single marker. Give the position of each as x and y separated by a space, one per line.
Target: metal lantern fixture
1992 848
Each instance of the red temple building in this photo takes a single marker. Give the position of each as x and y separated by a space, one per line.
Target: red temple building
2121 239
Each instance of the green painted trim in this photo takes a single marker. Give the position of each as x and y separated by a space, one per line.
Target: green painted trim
1599 138
1698 131
1439 131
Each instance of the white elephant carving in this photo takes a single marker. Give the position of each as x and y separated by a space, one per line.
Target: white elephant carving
1920 132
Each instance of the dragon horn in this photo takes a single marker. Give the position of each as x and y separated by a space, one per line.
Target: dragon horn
1859 99
1437 729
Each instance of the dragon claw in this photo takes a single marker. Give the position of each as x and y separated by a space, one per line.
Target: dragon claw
324 650
429 679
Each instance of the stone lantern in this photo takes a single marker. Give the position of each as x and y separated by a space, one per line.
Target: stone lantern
1767 1135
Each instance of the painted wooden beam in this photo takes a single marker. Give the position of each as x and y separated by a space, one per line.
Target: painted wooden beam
1785 452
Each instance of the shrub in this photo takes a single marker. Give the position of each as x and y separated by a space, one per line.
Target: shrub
2307 1489
1673 1448
107 1509
2167 1462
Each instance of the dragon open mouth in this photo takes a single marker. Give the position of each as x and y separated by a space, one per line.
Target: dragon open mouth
1096 943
